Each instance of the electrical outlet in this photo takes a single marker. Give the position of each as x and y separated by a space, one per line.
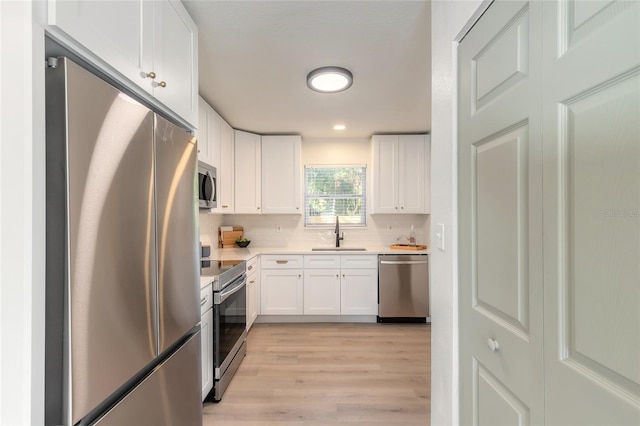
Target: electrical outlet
277 228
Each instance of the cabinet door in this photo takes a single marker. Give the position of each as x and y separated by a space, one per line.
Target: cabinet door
250 301
206 332
118 32
281 292
411 173
203 132
359 292
385 174
225 171
281 174
175 58
248 159
322 291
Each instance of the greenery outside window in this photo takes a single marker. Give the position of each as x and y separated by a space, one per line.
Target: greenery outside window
332 191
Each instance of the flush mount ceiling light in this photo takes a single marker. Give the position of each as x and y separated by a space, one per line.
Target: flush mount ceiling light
329 79
339 127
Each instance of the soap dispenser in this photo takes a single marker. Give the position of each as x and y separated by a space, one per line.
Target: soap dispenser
412 237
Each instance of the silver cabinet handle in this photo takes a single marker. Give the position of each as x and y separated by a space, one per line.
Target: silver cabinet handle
203 301
493 344
282 262
251 282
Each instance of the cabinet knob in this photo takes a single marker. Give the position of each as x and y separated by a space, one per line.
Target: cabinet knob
493 344
258 208
401 208
337 276
250 268
299 276
251 282
396 208
297 208
161 84
343 275
151 75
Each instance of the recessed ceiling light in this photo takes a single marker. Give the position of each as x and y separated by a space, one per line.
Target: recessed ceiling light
329 79
339 127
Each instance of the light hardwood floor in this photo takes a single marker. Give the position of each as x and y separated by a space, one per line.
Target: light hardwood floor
330 374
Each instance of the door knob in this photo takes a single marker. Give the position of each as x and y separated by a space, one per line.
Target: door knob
493 344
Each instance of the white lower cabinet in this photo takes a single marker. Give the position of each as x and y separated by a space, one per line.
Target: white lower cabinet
281 285
253 291
206 338
322 291
359 292
319 285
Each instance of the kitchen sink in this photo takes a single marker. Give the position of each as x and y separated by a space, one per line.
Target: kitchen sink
338 249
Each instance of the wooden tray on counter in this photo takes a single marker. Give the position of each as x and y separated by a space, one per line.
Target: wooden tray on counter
407 247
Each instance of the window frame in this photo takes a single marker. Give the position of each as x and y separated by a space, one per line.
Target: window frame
363 197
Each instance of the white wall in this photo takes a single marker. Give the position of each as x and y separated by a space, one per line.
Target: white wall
447 19
381 230
21 216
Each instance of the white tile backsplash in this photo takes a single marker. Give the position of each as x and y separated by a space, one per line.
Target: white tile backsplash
262 230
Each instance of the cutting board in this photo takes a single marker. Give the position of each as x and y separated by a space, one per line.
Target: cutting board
228 238
407 247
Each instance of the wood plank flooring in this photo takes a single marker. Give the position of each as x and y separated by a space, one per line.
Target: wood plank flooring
330 374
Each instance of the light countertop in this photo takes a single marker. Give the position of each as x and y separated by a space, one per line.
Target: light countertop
249 252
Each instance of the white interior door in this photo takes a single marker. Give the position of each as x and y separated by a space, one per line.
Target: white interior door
500 217
592 212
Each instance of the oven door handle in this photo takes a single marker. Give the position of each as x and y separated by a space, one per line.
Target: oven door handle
228 292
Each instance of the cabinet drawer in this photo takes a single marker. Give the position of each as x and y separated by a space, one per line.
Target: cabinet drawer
206 299
359 261
276 261
321 261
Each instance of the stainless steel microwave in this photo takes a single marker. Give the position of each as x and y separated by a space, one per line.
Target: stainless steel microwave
207 186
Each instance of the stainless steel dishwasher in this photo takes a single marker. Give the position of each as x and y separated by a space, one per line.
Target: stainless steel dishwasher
403 288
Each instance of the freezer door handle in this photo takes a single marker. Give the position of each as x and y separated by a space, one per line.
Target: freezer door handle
403 262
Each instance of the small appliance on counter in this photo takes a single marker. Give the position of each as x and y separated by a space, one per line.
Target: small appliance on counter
229 320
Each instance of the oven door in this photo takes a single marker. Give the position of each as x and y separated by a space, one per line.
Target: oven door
230 323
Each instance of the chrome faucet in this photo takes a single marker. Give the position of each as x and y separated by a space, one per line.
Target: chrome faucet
337 231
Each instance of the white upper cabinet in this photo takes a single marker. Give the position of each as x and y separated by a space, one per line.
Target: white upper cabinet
226 170
215 147
248 160
281 174
152 46
401 174
202 133
175 58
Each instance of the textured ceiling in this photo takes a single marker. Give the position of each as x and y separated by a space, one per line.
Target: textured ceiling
255 55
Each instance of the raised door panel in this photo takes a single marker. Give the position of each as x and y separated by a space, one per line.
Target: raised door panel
322 291
592 212
359 292
411 174
500 206
385 174
281 175
248 159
281 292
203 132
118 32
175 59
226 171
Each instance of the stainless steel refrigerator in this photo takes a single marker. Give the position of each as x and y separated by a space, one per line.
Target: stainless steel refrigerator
122 312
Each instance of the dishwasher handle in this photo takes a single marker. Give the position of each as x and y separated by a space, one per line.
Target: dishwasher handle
403 262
